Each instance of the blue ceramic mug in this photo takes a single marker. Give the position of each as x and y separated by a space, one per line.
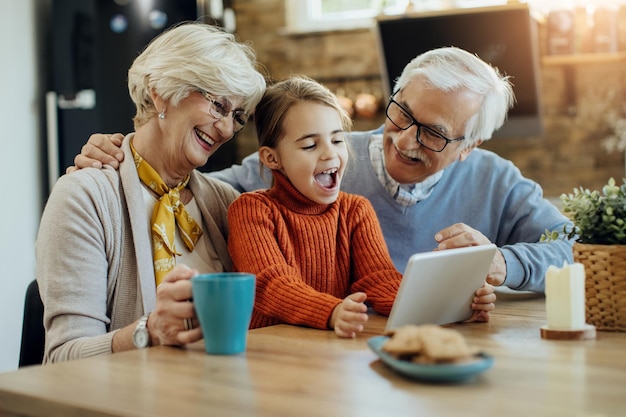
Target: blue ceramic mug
223 302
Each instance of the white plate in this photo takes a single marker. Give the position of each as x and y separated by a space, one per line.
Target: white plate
433 373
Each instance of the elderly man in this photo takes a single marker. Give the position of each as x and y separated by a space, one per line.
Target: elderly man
430 185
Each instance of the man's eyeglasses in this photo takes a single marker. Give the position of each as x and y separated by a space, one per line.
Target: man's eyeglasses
426 136
221 107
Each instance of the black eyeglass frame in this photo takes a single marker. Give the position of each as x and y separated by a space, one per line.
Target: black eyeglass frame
220 111
419 126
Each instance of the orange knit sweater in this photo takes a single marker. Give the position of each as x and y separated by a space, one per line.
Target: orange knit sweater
308 257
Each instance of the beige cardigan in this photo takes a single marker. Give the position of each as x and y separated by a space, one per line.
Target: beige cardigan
94 255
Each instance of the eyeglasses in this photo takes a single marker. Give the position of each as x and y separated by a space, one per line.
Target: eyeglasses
426 136
221 107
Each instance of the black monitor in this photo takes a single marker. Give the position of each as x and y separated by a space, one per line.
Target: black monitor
503 36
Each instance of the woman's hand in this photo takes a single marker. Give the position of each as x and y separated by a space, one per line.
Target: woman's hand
173 306
100 149
348 317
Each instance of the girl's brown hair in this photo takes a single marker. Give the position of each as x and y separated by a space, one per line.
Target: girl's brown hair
278 99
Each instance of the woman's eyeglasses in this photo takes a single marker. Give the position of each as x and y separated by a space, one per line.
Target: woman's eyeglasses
221 107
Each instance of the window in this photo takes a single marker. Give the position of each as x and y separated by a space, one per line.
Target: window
323 15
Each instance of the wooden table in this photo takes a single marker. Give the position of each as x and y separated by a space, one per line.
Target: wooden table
292 371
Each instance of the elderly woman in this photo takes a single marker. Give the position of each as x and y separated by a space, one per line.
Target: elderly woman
110 241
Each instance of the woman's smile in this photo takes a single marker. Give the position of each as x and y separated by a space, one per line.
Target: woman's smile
204 139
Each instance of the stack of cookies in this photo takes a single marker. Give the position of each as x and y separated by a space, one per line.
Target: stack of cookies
428 344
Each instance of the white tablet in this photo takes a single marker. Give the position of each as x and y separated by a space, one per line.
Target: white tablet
438 287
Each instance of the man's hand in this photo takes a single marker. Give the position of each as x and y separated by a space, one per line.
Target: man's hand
497 270
461 235
100 149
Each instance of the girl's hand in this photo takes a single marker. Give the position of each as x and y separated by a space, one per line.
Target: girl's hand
349 316
483 303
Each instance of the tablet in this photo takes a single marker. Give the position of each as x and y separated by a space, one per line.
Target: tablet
438 287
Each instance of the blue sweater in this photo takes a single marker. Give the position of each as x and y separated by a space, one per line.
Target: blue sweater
485 192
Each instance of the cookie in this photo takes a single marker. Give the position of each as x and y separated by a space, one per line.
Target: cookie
403 341
428 344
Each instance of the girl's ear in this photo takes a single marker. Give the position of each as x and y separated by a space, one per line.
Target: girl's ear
269 157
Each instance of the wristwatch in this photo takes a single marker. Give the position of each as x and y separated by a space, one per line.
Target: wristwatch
141 336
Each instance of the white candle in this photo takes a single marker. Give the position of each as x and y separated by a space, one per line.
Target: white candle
565 297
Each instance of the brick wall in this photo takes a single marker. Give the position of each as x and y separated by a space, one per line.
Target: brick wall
576 96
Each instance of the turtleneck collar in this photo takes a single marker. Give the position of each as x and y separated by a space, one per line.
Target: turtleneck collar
286 194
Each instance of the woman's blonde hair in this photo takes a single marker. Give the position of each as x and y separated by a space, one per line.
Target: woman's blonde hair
192 56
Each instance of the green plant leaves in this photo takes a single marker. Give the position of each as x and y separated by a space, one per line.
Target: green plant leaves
598 218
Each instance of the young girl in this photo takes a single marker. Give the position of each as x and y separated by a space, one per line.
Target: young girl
318 253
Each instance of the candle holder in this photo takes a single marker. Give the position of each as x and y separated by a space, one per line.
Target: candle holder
586 333
565 304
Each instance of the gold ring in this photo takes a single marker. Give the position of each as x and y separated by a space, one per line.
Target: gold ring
188 324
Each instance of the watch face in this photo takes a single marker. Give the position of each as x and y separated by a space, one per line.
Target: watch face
141 335
141 338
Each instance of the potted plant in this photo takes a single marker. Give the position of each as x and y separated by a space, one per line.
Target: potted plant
599 231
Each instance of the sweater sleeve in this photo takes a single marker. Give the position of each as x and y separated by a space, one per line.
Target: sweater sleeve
513 214
258 244
72 266
526 217
374 271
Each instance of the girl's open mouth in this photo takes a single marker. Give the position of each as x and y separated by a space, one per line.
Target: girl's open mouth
328 178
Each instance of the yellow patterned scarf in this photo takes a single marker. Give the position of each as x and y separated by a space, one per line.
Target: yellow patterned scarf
168 212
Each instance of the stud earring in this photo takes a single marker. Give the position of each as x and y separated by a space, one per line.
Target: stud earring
162 114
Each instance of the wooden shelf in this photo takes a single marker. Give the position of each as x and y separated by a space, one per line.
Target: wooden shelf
587 58
568 64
